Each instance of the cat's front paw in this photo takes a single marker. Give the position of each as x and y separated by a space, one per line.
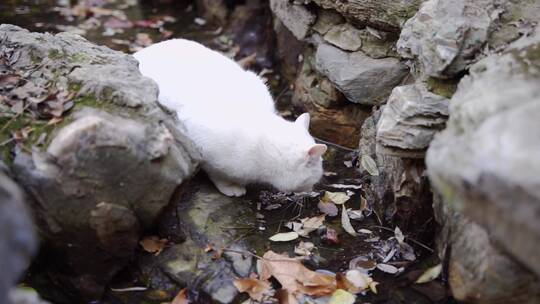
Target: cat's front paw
228 188
232 190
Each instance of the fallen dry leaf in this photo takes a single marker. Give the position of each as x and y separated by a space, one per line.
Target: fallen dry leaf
355 214
256 289
294 276
181 297
331 236
284 237
388 268
285 297
359 279
304 248
346 222
329 209
369 164
399 235
363 264
153 244
8 80
430 274
248 61
337 198
311 224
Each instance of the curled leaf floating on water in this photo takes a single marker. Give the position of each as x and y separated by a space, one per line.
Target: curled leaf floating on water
369 164
337 198
430 274
346 222
284 236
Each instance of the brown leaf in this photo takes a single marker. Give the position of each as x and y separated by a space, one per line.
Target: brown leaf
294 276
311 224
181 297
331 237
248 61
117 23
153 244
256 289
54 121
285 297
8 80
343 283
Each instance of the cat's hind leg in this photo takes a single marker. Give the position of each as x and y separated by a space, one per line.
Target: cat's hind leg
227 187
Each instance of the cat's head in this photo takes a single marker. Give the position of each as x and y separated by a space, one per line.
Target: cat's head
303 165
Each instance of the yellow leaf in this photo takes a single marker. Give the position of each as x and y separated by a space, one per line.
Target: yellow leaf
346 222
284 237
341 296
430 274
337 198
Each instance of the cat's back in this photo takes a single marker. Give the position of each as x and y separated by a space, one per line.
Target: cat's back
190 75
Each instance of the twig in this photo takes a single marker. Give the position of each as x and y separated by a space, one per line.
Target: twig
239 227
407 237
334 144
14 117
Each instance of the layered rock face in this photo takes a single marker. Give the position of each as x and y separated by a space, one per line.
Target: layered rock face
100 173
485 163
357 57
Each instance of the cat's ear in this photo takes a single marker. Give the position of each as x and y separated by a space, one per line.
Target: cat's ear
303 120
317 150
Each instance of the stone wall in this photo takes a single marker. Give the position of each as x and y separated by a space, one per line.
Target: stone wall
386 73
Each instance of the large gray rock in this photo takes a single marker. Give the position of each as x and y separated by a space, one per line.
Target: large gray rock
410 119
386 14
294 16
486 163
332 117
18 241
444 36
361 78
479 271
106 171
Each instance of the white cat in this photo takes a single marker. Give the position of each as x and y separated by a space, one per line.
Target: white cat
230 116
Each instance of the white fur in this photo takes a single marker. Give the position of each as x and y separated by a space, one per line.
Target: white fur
229 114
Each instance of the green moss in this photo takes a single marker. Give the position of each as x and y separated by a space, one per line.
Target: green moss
442 87
528 58
54 54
